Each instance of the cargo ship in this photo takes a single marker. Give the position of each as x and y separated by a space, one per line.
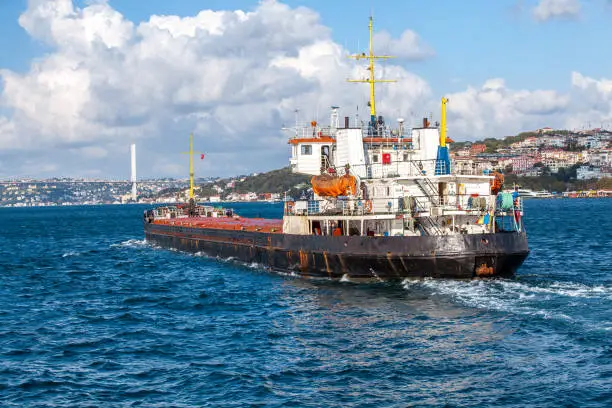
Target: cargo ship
385 205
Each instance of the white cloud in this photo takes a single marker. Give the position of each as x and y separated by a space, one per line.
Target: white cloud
496 110
408 46
549 9
592 100
233 78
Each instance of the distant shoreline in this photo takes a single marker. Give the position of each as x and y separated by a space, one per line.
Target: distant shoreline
557 197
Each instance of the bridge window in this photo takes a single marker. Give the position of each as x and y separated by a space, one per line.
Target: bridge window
375 158
306 150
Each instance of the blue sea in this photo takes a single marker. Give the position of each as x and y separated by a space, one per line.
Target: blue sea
92 316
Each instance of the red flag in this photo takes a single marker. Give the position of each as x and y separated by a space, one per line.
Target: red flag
202 156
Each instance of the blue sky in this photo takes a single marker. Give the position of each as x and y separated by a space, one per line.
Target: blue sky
82 81
473 40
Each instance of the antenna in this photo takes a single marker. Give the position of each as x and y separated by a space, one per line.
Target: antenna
372 80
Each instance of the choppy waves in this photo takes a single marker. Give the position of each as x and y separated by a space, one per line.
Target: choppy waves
512 296
93 315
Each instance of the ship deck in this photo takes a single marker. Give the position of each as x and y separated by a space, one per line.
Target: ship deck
227 223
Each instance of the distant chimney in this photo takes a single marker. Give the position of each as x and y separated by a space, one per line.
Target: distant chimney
425 123
346 122
133 175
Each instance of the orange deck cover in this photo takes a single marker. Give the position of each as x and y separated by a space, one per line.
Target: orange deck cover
331 186
227 223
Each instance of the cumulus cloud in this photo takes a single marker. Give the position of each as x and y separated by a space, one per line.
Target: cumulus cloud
232 77
549 9
408 46
494 109
592 100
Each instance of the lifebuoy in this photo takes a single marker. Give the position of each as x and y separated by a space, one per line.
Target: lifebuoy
290 205
368 206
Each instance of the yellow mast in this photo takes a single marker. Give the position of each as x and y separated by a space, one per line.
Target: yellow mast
443 123
372 80
191 172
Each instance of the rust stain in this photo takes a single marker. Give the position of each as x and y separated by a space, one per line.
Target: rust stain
303 261
326 263
342 264
390 259
484 270
403 263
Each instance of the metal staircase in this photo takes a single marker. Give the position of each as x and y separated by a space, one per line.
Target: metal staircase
427 187
430 227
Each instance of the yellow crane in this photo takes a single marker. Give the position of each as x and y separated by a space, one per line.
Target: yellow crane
191 172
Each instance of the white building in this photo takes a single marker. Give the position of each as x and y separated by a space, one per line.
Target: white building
588 172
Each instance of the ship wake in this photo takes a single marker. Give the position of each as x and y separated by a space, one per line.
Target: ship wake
524 298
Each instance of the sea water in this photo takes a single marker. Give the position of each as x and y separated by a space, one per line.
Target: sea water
92 315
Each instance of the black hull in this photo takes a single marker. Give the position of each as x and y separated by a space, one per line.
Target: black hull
355 257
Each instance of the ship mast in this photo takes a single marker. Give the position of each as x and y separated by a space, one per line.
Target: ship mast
191 172
372 79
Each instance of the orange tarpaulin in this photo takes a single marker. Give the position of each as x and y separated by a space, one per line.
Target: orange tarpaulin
497 183
330 186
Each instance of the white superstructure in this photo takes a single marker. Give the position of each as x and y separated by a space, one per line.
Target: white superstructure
404 183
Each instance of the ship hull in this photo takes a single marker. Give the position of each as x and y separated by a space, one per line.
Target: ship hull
354 257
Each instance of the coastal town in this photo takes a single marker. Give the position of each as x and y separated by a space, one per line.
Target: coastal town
67 192
584 155
545 151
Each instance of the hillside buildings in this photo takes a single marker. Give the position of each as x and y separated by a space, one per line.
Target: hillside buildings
545 151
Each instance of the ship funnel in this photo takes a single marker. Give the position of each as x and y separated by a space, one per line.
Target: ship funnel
443 162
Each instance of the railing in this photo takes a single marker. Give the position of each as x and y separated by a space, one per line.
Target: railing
417 206
471 171
441 167
422 214
384 131
303 130
397 168
509 217
306 131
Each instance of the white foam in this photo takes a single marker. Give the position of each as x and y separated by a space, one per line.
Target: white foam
132 243
70 253
511 296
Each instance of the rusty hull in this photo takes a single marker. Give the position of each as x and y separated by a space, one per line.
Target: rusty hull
354 257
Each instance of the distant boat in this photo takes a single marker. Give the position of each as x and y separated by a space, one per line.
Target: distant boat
526 193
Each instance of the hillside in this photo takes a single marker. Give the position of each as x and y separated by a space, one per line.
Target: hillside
494 144
274 181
